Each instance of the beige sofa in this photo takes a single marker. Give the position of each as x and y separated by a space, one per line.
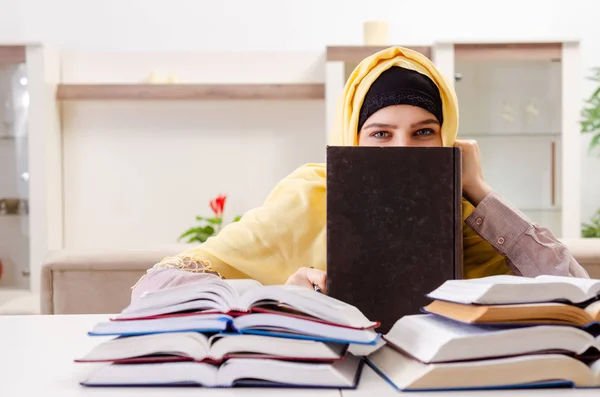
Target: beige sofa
78 282
100 281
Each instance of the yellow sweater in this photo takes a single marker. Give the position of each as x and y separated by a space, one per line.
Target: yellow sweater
287 232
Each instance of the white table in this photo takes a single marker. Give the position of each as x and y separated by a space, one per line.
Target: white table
37 352
36 359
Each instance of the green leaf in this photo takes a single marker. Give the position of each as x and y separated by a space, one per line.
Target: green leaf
189 232
199 238
590 114
208 230
237 218
199 234
199 218
214 221
203 237
595 142
591 230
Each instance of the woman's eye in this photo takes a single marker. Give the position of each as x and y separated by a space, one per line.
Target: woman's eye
381 134
424 132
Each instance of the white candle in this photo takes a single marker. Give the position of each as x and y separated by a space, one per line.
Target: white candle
376 33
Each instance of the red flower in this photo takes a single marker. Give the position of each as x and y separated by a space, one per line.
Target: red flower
217 205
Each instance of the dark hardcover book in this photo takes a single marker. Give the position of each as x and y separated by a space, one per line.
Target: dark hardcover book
394 227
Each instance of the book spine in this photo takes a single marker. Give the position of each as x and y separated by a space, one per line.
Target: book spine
458 221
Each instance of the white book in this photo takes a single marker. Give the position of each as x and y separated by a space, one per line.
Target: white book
507 289
233 372
197 323
216 348
432 339
270 324
519 313
225 296
407 374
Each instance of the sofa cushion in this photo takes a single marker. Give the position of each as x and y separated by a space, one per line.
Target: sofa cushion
587 252
95 282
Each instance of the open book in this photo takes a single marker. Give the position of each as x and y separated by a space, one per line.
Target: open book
406 373
432 339
209 323
528 313
504 290
230 296
269 324
234 372
194 346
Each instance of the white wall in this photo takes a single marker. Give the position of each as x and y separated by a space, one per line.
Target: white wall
271 25
135 25
137 174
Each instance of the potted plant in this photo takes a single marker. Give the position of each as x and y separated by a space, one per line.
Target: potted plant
592 229
209 226
590 124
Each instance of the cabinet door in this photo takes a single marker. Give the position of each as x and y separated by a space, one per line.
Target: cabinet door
513 110
14 189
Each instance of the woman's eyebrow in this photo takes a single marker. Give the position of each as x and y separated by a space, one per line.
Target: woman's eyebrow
380 125
425 122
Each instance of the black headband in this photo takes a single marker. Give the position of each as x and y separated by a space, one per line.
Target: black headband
401 86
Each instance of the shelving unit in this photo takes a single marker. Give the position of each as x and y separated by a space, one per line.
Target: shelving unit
266 114
529 139
70 92
72 124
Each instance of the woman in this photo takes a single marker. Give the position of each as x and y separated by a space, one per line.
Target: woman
395 97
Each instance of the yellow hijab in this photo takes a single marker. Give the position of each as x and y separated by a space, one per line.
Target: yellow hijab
288 231
345 128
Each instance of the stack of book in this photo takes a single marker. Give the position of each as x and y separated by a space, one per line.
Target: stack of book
497 332
225 333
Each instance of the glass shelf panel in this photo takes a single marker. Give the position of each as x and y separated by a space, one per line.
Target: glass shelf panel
14 189
513 110
524 169
509 97
550 219
12 137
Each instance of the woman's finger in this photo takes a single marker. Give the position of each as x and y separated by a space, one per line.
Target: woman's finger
299 278
317 277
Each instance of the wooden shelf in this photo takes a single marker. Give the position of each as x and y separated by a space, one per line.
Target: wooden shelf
71 92
358 53
508 52
463 51
12 54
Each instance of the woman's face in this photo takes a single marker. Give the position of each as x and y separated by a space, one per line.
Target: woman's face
400 125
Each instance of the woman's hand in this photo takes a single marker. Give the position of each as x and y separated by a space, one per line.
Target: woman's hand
473 184
308 277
